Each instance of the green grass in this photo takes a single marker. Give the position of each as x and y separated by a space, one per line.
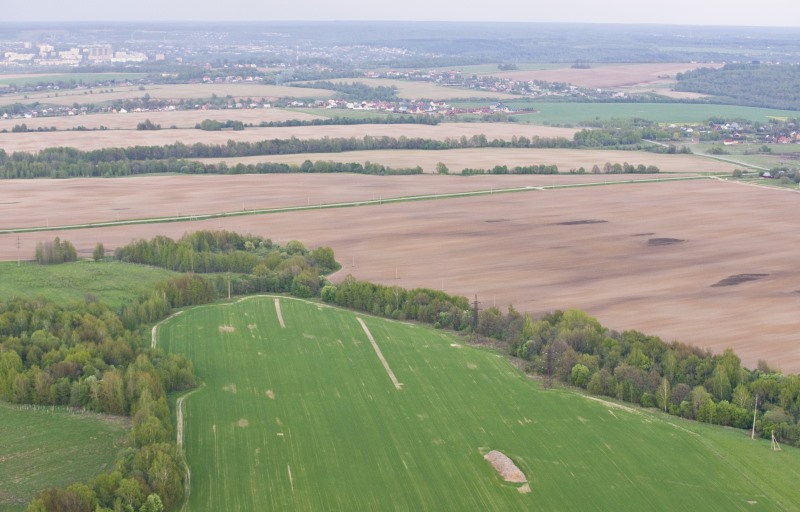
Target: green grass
780 155
34 79
314 402
111 282
574 113
48 447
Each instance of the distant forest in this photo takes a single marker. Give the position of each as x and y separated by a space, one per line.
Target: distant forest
755 85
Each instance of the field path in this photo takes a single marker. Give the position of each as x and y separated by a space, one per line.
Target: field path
278 311
397 384
154 330
179 440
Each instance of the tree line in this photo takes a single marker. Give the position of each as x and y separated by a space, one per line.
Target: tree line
573 348
753 84
70 162
338 120
87 356
83 356
55 251
358 90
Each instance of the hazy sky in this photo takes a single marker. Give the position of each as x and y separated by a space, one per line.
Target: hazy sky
784 13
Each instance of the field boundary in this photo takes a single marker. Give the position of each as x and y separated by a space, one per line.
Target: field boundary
187 486
389 371
154 330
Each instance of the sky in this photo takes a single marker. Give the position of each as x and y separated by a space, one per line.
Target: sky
784 13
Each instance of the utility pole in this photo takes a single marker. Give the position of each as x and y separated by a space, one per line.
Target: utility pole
475 314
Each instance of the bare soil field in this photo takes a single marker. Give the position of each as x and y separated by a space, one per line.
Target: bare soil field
117 138
165 91
428 90
612 76
662 258
486 158
178 118
47 202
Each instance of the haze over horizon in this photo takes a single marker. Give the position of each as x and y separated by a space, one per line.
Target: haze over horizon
779 13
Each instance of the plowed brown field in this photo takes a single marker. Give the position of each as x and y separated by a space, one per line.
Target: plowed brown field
641 256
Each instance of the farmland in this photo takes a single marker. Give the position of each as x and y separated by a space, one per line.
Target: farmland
45 448
118 138
486 158
306 417
163 91
607 76
416 90
35 78
167 119
516 249
556 113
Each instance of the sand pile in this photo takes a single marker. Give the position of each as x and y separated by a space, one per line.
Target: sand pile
505 467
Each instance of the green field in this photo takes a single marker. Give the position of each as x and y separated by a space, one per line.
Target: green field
306 418
780 155
111 282
34 79
574 113
44 448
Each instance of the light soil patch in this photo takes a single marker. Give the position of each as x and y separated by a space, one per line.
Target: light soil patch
88 140
385 364
231 388
524 489
613 405
505 467
270 394
223 329
243 423
472 366
278 312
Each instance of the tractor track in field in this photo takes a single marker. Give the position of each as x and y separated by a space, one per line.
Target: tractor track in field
396 383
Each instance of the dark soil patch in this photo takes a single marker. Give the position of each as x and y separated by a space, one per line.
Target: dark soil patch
497 220
656 242
739 279
579 222
643 234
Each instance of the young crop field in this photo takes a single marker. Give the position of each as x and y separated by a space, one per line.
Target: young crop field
574 113
305 408
110 282
751 154
44 447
